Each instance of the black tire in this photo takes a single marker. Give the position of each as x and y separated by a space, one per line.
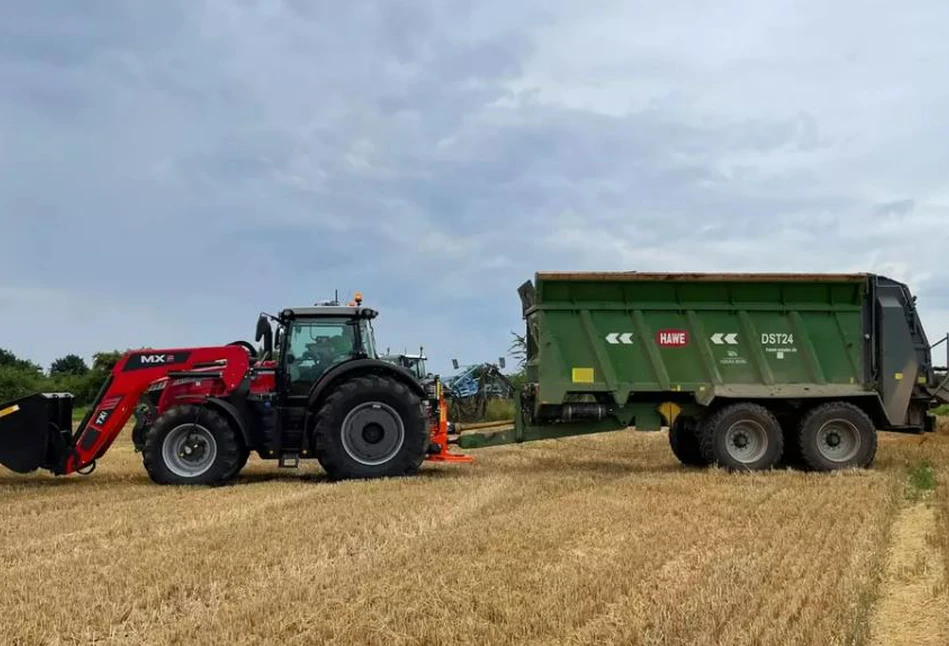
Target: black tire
371 427
791 457
191 445
742 437
825 432
684 441
242 456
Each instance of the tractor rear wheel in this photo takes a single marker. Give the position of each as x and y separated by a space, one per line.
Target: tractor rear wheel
191 445
371 427
742 437
684 441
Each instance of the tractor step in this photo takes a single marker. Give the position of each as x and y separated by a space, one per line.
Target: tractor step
289 460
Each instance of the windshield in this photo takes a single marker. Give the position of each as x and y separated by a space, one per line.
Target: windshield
418 367
314 346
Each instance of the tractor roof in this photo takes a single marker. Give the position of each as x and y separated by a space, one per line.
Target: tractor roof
330 311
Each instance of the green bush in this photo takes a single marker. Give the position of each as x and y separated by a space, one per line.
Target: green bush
10 360
19 378
16 382
71 364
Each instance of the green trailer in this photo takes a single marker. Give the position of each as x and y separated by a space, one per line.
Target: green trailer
748 371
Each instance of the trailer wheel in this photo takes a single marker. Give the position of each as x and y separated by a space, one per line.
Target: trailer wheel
684 441
371 427
837 435
742 437
191 445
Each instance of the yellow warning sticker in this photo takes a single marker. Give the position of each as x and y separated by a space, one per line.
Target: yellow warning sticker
898 376
583 376
9 410
922 380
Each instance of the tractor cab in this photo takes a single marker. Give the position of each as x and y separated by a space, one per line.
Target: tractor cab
310 341
306 342
414 363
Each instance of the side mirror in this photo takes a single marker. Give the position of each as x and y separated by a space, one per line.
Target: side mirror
265 332
290 359
454 364
502 363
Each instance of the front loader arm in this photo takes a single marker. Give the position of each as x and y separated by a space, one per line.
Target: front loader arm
129 379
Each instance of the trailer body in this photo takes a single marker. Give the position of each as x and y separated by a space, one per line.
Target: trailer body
606 351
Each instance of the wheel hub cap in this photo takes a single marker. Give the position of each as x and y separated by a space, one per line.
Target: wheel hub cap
372 433
838 441
189 450
746 441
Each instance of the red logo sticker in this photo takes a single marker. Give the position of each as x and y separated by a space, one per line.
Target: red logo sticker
672 338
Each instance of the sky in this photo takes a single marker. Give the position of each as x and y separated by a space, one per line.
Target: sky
170 169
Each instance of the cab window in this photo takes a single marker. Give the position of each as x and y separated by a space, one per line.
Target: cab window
314 347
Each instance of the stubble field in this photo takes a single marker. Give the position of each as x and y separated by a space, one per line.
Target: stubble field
582 541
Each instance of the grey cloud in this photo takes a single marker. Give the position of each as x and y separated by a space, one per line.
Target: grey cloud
434 152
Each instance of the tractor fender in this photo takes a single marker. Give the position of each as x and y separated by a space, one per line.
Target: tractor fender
232 414
356 366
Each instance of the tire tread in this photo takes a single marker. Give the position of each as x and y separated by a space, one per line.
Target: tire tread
685 444
332 456
228 446
707 435
809 454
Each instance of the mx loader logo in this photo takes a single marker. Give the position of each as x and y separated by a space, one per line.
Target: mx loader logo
155 359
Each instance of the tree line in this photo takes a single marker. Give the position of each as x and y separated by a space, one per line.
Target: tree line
71 373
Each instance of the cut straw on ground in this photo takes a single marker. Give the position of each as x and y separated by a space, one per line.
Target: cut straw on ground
602 539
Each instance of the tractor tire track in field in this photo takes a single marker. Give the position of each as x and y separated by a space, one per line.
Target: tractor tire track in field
913 606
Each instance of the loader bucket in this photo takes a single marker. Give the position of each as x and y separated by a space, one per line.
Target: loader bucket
34 431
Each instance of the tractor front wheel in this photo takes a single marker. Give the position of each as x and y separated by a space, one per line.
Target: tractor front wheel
191 445
371 427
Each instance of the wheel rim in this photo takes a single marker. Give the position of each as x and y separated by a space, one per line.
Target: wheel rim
372 433
189 450
746 441
838 440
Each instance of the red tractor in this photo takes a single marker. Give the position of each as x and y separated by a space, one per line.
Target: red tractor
319 391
